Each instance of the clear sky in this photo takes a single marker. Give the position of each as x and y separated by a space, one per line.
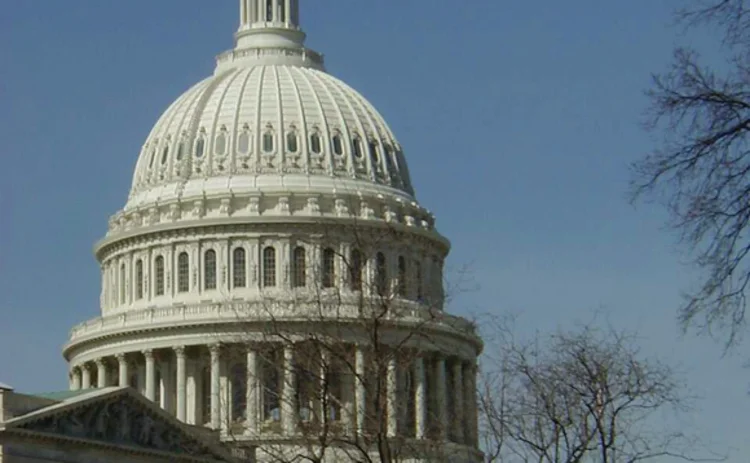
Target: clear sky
518 120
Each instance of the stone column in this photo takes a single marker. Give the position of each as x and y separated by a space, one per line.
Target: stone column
471 407
75 384
215 386
360 398
252 397
440 398
181 383
458 407
392 397
101 373
85 377
191 392
225 398
288 403
122 369
420 399
148 354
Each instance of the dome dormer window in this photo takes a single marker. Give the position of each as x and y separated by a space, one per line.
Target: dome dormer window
243 142
220 144
153 157
315 146
268 142
291 142
200 147
357 147
338 147
180 150
165 155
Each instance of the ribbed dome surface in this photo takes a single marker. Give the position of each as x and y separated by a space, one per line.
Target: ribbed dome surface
266 125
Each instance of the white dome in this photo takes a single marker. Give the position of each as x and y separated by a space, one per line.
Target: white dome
272 127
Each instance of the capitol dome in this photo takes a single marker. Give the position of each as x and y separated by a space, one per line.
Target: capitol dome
270 235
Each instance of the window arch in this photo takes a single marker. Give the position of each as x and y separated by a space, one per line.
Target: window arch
159 278
209 270
239 274
381 274
139 279
298 267
291 142
268 142
183 273
329 268
269 267
315 143
355 269
402 288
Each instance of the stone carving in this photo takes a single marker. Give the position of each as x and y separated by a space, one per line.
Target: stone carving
342 210
254 205
122 421
283 206
198 209
174 212
313 206
226 207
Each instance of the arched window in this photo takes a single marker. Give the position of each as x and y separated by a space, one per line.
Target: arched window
355 268
298 267
338 148
209 270
329 268
243 142
200 147
239 279
373 148
139 279
269 267
291 142
159 278
122 283
315 143
357 147
183 273
402 276
381 274
268 142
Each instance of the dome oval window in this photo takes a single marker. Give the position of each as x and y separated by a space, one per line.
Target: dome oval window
200 147
180 150
268 142
164 155
243 144
315 143
338 148
357 147
291 142
221 144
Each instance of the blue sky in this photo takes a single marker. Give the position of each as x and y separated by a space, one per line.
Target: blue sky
518 120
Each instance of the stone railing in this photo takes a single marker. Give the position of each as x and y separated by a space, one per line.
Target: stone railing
229 312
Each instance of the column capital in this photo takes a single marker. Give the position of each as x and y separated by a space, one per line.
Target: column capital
99 362
179 351
148 353
121 357
214 348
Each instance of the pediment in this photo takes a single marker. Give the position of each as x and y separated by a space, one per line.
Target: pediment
124 420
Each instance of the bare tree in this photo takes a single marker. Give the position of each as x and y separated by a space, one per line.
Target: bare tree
352 343
701 169
586 395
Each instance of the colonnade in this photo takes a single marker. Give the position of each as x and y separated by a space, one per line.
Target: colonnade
275 388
